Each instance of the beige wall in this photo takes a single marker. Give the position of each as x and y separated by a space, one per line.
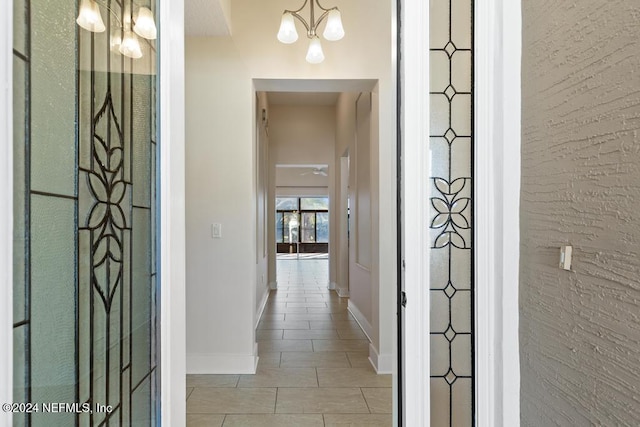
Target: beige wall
580 330
358 120
221 273
262 171
362 172
293 181
359 273
302 134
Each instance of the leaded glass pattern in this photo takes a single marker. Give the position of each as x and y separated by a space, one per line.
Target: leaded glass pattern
85 288
451 219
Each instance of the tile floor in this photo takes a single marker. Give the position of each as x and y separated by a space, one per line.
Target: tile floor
313 368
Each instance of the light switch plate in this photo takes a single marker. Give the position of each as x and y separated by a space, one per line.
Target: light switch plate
216 231
565 257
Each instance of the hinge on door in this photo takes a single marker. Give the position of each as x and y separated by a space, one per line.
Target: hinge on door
404 299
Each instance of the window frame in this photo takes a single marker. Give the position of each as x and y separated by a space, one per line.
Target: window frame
300 212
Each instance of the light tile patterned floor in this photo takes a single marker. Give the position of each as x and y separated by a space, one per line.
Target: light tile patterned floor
313 368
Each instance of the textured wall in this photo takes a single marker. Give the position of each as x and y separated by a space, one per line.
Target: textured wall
580 330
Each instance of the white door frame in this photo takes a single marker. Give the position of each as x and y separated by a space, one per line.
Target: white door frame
414 79
172 193
497 190
172 214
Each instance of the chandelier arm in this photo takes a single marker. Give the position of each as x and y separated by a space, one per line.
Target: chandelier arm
324 8
133 21
301 19
103 4
324 15
301 7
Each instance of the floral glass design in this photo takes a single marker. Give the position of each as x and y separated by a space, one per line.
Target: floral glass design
451 213
85 288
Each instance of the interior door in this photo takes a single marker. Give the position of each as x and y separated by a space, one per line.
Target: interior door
85 149
436 213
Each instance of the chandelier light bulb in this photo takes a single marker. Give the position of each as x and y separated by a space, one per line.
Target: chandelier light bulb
287 33
333 31
89 17
130 45
315 54
145 25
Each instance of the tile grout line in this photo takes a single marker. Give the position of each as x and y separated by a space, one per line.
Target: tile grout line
275 404
365 400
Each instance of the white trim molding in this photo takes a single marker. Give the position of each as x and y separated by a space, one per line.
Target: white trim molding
222 363
415 136
497 195
342 292
172 213
6 210
263 304
273 285
382 363
360 319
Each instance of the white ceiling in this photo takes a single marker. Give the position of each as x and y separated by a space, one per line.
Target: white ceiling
303 98
206 18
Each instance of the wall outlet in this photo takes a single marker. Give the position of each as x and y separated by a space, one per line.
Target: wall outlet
565 257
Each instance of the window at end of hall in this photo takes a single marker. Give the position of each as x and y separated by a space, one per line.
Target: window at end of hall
302 220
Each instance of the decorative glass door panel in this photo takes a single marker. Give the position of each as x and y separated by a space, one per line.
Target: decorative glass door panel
451 225
85 288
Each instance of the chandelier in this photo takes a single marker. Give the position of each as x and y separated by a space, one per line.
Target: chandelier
333 30
124 39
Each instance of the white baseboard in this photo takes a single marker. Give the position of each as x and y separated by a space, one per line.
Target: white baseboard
332 285
342 293
273 285
382 363
263 304
362 321
255 356
221 363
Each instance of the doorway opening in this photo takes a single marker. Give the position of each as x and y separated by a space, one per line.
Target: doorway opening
324 308
322 141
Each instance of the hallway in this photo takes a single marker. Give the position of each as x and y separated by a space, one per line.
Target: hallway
313 369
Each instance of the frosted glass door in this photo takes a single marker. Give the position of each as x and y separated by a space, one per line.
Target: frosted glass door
85 287
451 221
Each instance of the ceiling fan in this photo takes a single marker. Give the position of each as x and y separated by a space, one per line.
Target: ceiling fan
316 171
